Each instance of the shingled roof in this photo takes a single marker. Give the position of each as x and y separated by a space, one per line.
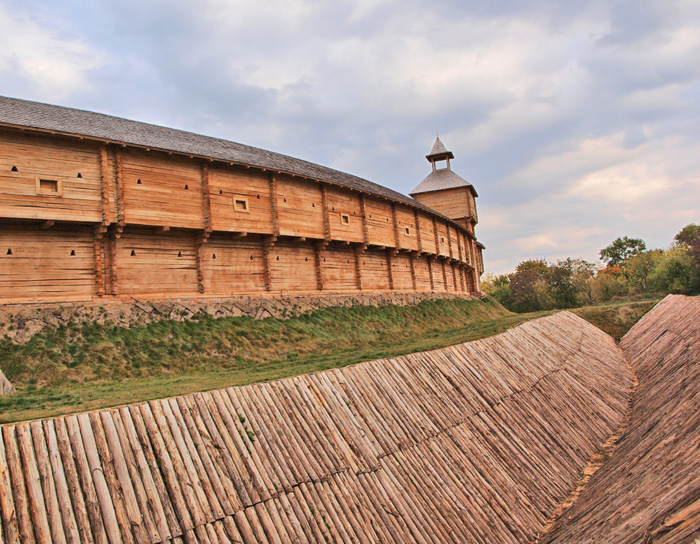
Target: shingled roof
439 150
70 121
441 179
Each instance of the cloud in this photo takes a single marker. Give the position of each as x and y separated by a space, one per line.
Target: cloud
34 58
577 122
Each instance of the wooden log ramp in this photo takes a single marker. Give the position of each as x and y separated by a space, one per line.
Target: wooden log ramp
649 490
473 443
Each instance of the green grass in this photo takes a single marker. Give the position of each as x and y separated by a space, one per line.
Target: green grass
616 318
88 366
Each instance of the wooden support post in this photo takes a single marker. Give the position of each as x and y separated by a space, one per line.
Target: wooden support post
444 274
437 237
363 212
99 263
274 207
391 271
114 284
121 212
418 233
267 244
359 250
460 237
200 240
397 236
105 186
317 262
412 258
430 273
326 216
206 199
449 241
454 276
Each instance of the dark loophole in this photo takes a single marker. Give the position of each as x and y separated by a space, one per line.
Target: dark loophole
14 169
179 253
187 187
9 251
133 252
72 252
80 175
213 255
251 257
278 257
138 181
258 197
221 191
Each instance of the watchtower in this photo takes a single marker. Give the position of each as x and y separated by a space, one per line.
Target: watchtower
449 194
446 192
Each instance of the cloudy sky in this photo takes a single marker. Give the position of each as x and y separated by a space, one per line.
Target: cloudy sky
577 122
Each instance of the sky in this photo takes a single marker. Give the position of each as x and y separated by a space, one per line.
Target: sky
576 122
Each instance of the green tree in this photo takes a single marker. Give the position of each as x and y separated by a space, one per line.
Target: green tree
561 282
689 236
529 289
674 272
498 287
622 249
640 267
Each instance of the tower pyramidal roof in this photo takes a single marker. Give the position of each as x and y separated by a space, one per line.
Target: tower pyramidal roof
441 178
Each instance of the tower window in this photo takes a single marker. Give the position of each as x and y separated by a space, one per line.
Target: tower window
407 231
344 219
240 205
52 187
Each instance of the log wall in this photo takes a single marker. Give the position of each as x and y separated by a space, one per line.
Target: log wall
43 178
40 264
472 443
649 490
155 223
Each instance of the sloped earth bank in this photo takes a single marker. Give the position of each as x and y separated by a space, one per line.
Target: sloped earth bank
478 442
649 490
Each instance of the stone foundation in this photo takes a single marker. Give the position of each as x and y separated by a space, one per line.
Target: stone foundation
21 322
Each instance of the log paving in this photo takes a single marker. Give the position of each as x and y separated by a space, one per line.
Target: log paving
477 442
649 490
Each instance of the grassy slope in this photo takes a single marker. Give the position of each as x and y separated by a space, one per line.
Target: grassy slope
88 366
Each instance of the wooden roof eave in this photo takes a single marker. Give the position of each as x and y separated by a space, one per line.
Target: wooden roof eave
192 156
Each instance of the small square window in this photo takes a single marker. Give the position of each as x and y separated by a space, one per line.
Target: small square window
50 187
344 219
407 231
240 204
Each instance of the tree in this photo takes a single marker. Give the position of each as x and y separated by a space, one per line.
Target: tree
689 236
497 287
674 272
528 286
640 267
561 281
622 249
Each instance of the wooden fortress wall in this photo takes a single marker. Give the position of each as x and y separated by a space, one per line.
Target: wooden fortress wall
82 219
